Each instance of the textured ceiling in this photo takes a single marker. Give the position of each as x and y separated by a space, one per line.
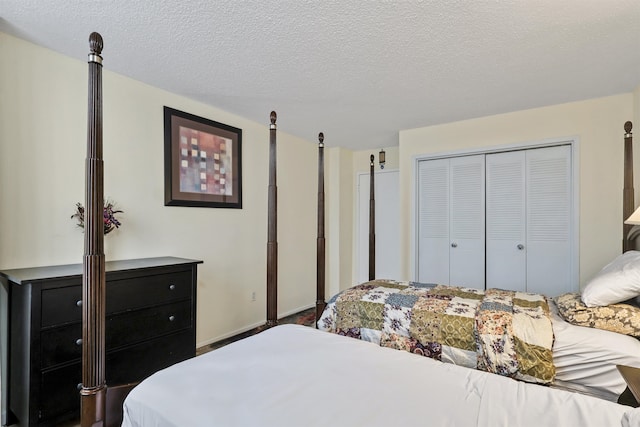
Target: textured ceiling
359 71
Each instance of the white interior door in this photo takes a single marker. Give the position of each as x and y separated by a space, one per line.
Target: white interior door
506 240
387 217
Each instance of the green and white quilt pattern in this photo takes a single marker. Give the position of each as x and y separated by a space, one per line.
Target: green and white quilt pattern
504 332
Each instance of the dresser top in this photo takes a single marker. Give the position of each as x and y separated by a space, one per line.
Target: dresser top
20 275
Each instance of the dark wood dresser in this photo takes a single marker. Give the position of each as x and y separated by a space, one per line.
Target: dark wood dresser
150 324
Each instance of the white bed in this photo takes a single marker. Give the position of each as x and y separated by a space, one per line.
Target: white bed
575 358
293 375
585 358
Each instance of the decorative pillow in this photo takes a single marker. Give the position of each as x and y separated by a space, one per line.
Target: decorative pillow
620 318
618 281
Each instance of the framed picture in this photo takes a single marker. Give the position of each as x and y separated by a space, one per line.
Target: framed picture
202 162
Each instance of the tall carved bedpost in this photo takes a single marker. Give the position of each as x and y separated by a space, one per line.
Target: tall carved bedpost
272 226
372 221
320 274
93 392
628 204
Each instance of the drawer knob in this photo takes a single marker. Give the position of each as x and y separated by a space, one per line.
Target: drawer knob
79 386
172 287
172 318
79 303
79 341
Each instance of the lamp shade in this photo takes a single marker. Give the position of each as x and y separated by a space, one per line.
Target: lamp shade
634 219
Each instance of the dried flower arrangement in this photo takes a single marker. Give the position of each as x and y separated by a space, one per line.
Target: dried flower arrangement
109 216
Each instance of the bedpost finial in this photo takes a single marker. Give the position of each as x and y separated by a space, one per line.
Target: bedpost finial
274 116
627 127
95 43
321 138
371 159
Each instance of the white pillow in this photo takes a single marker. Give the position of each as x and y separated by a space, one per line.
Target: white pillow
618 281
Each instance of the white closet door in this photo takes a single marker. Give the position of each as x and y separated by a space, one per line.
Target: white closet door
506 239
433 221
548 175
467 221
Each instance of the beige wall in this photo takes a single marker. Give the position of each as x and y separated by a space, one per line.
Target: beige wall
339 223
598 125
43 115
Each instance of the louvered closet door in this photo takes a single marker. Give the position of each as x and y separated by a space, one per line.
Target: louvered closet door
506 228
433 221
451 221
467 221
549 193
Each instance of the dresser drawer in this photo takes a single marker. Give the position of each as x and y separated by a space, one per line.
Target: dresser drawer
61 305
137 362
131 327
64 305
133 364
59 345
61 388
128 294
64 344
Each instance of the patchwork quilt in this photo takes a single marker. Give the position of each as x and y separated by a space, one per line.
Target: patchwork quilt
504 332
623 317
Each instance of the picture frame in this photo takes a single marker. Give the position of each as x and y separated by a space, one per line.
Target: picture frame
202 162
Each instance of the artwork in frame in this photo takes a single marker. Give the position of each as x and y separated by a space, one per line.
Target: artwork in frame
202 162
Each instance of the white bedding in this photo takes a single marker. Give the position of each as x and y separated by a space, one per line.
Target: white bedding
585 358
293 375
